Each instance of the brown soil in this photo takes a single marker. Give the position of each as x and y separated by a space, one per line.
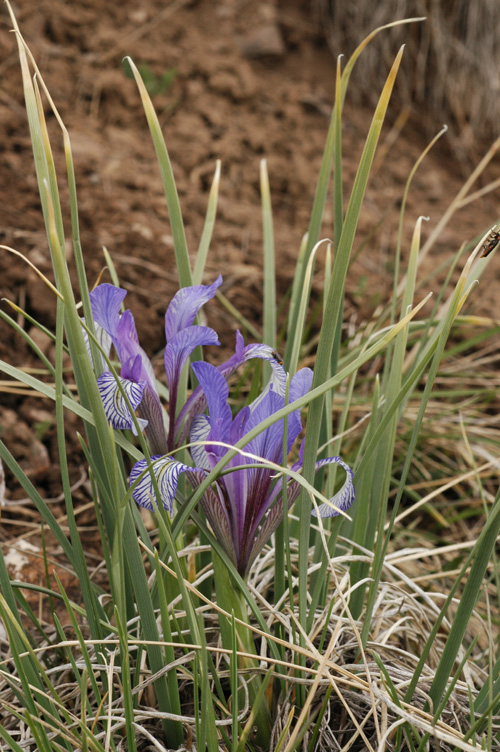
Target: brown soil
252 80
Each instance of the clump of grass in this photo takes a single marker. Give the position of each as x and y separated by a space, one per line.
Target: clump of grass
370 630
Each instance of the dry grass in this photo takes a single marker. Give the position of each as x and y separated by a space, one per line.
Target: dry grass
451 67
366 706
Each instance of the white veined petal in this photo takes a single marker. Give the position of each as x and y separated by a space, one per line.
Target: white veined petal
103 339
167 472
200 429
115 406
344 496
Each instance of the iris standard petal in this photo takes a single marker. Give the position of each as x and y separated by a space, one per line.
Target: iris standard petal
276 384
264 405
216 392
239 425
167 472
185 305
115 406
268 444
127 346
300 384
132 369
106 301
180 347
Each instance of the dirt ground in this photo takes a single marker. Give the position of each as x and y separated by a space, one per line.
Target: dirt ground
248 80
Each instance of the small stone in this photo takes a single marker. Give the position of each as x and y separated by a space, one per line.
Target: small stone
42 340
262 42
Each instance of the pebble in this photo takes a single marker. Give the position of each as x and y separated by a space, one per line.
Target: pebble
263 41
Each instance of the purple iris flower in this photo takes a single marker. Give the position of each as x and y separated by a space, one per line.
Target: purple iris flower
137 376
244 506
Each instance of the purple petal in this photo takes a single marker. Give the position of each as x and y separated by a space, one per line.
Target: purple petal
167 472
239 425
300 384
128 348
272 520
126 332
180 347
106 301
269 443
344 497
276 384
216 392
132 369
185 305
115 406
236 496
243 353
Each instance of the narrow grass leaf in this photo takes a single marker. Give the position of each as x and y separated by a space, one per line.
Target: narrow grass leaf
269 313
333 312
208 227
176 222
128 705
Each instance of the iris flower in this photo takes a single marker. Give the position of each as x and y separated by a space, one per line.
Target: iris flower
137 376
244 506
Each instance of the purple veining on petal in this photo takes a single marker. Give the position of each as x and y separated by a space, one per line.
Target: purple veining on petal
106 301
182 345
217 391
200 429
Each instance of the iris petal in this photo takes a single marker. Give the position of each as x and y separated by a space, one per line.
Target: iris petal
200 429
102 337
269 443
167 472
216 391
217 516
344 497
300 384
115 406
185 305
106 301
127 346
180 347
